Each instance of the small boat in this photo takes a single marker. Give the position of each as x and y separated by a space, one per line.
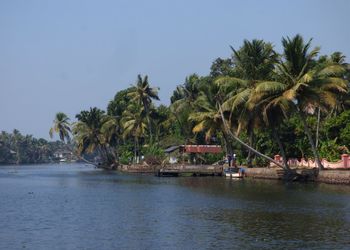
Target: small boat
232 173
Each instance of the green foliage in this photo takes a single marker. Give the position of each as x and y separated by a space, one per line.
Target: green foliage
153 154
222 67
339 127
126 157
61 126
331 150
212 158
267 99
119 103
153 150
16 148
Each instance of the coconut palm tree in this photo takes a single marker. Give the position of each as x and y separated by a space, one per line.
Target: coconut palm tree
273 117
61 126
183 104
143 94
134 125
207 116
111 132
300 86
254 62
88 135
186 95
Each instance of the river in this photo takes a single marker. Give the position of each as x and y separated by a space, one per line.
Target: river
75 206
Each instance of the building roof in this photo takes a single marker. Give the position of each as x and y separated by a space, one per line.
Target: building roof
215 149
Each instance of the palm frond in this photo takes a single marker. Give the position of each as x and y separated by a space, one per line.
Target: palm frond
270 87
331 70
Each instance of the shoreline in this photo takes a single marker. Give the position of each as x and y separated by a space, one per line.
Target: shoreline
338 177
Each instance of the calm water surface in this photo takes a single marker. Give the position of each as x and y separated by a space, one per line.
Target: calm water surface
79 207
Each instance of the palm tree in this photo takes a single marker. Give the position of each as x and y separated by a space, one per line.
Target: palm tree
207 116
186 95
17 138
272 116
88 135
133 123
61 126
236 138
111 132
143 94
183 104
254 62
300 86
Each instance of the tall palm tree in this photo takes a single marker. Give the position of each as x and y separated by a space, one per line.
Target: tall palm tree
111 132
61 126
300 86
186 94
17 138
143 94
273 117
88 135
207 116
134 125
254 62
183 104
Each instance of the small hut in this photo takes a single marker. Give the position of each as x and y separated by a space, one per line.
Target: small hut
174 152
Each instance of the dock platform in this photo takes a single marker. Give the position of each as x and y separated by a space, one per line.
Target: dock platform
190 170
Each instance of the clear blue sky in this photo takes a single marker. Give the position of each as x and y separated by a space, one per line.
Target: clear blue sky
74 54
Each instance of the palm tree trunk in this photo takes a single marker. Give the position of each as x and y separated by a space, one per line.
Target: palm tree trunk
83 159
116 151
251 142
311 141
318 126
244 144
149 122
280 145
135 149
150 129
102 153
227 142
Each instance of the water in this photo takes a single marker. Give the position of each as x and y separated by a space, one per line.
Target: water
79 207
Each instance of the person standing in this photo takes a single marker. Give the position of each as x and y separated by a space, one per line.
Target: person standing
229 160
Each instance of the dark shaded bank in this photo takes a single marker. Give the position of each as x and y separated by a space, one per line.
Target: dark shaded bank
326 176
334 177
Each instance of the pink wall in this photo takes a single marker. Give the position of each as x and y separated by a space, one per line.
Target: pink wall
343 163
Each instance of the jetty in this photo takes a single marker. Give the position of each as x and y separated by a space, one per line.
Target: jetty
190 170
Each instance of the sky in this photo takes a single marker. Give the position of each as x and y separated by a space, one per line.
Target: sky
70 55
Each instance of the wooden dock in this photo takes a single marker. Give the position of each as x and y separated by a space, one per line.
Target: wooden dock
190 170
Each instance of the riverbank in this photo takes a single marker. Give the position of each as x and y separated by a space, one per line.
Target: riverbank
325 176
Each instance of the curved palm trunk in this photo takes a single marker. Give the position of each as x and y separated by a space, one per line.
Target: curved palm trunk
228 145
318 126
243 143
311 141
84 160
251 142
103 153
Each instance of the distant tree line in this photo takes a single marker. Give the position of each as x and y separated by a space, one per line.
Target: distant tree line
256 102
16 148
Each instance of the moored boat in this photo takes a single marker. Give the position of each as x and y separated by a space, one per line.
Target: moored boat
232 173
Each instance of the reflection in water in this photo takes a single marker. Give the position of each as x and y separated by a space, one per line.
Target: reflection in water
79 207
